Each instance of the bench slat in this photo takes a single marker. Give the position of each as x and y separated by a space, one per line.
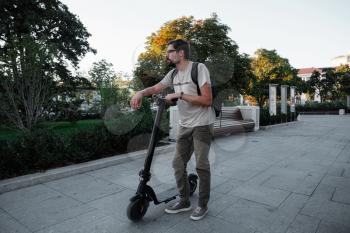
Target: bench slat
231 121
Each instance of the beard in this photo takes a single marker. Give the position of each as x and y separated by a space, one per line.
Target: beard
172 63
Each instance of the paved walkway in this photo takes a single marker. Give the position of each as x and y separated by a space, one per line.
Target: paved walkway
285 179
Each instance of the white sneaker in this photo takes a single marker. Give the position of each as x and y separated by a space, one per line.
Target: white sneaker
178 207
199 213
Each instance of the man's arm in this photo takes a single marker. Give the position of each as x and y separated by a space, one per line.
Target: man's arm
205 99
153 90
137 98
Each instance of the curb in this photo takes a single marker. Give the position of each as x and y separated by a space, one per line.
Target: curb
62 172
278 125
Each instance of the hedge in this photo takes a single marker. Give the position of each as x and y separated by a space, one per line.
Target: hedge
322 107
42 149
266 119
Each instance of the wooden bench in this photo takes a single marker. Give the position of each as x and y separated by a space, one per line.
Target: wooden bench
231 121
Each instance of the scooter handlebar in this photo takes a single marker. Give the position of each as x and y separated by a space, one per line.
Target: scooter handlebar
160 99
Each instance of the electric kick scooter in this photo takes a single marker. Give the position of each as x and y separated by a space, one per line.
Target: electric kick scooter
145 194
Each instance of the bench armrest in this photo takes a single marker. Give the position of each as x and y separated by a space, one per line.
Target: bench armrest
251 113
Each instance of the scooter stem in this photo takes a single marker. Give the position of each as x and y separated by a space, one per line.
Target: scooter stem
156 126
145 174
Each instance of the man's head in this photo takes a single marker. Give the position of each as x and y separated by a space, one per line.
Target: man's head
177 51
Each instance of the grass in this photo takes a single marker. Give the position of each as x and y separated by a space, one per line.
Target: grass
65 128
6 134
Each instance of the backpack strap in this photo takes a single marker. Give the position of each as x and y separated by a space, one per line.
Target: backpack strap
173 74
194 76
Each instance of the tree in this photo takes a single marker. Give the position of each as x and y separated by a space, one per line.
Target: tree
209 44
329 90
39 40
325 84
313 84
268 67
102 73
343 75
106 81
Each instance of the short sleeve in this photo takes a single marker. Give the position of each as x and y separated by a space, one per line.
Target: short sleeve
203 75
167 80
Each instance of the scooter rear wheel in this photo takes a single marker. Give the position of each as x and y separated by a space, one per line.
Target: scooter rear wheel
193 180
137 209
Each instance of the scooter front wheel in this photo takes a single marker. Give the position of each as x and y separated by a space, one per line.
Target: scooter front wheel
137 208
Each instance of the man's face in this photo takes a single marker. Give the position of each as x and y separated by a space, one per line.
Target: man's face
172 55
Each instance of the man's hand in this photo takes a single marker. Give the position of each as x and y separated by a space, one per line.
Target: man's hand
136 100
171 97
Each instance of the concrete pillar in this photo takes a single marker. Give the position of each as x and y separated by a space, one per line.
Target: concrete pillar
241 99
272 99
284 99
292 99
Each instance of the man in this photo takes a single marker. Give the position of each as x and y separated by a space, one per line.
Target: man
196 118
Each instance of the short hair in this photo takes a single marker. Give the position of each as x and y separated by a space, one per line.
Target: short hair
180 44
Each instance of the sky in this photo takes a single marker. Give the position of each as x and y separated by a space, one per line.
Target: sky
308 33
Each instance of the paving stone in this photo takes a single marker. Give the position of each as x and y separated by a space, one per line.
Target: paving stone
337 169
27 197
321 206
303 185
331 227
219 204
265 218
304 224
136 164
344 156
227 186
113 172
38 206
209 224
10 225
261 194
261 217
341 182
48 212
242 174
218 181
85 188
307 165
342 195
114 205
76 224
347 172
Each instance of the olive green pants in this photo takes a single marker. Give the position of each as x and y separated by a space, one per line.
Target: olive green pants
197 139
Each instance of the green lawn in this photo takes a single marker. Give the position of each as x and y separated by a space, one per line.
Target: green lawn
62 127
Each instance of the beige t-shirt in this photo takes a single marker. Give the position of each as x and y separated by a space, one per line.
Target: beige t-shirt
191 115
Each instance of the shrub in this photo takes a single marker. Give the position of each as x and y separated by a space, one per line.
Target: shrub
31 151
266 119
321 107
87 144
44 148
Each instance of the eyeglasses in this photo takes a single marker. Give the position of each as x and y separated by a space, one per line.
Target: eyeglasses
170 51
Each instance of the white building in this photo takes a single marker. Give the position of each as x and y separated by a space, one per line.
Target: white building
341 60
305 74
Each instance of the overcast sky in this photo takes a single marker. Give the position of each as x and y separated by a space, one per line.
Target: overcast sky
308 33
